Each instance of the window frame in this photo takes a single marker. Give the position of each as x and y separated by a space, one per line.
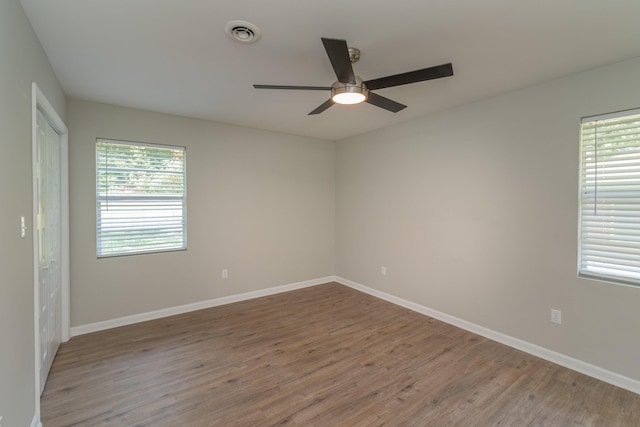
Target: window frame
582 267
100 199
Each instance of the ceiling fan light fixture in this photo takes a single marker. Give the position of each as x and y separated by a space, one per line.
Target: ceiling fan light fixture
347 93
349 98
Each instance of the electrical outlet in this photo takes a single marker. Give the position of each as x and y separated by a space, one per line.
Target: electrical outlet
225 275
383 270
556 316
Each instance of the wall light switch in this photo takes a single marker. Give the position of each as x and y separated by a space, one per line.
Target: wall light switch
383 270
225 273
23 234
556 316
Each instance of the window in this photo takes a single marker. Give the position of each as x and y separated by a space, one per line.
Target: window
609 232
141 198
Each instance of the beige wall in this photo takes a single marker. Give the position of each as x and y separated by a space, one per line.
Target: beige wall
22 61
474 213
260 204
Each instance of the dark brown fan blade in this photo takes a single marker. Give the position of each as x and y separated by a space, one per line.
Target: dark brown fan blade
444 70
328 103
292 87
339 56
386 103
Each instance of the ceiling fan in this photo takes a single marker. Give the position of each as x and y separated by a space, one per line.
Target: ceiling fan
351 89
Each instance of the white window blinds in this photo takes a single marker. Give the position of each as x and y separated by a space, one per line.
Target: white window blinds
140 198
609 246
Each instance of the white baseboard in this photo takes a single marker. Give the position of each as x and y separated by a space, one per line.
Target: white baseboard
35 422
533 349
171 311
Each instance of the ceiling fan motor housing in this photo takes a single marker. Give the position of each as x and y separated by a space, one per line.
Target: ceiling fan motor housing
354 54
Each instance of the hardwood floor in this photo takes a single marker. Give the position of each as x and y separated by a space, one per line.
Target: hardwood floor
321 356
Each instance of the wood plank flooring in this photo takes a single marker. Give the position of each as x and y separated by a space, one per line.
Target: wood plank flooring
321 356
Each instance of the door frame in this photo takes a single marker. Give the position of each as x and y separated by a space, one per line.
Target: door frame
40 102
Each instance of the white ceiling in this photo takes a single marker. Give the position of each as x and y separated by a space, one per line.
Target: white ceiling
173 56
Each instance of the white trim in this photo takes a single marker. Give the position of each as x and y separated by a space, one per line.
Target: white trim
35 422
533 349
147 144
172 311
608 116
40 102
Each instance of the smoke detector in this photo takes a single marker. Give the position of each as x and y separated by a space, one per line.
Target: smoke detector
242 31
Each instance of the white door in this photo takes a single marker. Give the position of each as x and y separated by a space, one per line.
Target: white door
49 243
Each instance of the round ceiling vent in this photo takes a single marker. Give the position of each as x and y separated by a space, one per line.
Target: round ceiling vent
242 31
